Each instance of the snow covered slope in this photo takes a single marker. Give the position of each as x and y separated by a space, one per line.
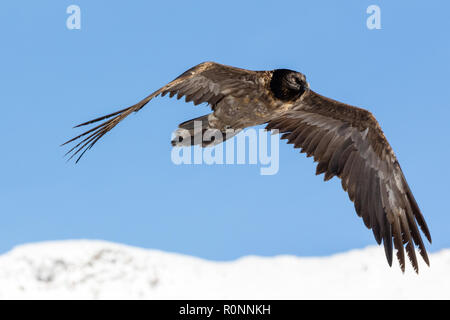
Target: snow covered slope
84 269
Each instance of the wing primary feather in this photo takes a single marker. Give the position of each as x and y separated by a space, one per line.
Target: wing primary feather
101 118
398 242
84 133
376 233
387 242
409 243
415 232
418 214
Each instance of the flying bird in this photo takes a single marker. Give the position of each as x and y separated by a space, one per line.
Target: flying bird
346 141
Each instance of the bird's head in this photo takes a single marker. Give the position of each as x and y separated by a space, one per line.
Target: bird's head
288 85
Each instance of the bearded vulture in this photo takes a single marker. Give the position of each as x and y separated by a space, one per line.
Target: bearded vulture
346 141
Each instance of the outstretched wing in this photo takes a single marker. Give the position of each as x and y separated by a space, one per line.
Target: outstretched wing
348 142
207 82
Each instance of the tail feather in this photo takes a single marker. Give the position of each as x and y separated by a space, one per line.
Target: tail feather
199 132
202 121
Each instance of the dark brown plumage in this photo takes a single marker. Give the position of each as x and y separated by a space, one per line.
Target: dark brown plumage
346 141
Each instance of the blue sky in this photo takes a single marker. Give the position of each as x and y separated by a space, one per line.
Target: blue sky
127 189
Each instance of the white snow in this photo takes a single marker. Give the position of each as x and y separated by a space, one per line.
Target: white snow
84 269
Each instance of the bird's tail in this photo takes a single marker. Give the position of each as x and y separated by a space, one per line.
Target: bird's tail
198 131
